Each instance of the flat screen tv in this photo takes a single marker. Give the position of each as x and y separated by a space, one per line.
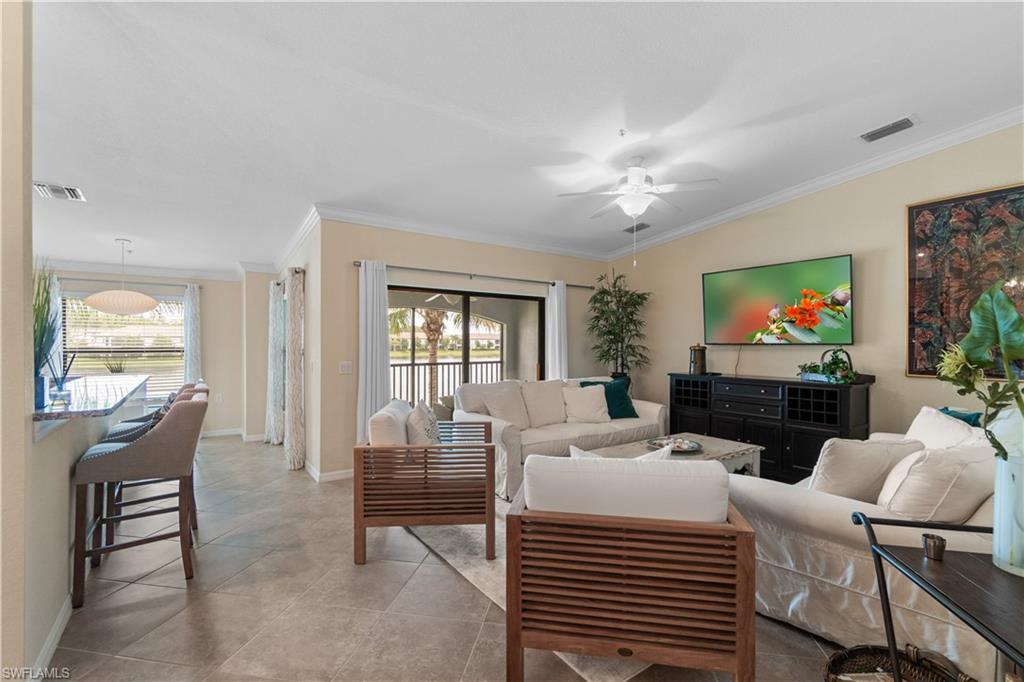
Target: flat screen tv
803 302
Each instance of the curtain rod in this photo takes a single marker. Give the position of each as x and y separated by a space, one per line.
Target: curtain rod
359 263
118 281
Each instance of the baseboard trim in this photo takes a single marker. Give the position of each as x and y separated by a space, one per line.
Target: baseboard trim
50 645
328 476
216 433
254 438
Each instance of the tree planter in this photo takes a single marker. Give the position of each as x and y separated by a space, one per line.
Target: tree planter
1008 513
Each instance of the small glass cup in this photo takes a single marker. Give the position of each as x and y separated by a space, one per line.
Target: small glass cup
934 545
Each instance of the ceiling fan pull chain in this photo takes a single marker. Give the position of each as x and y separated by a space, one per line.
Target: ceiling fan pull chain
634 242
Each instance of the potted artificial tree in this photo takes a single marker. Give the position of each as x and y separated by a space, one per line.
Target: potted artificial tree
45 327
617 323
996 338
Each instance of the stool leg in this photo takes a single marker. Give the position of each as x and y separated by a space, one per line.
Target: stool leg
108 528
192 503
78 581
185 523
96 537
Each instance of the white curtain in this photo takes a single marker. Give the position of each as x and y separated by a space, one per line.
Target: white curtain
374 344
294 418
193 346
57 354
556 348
274 428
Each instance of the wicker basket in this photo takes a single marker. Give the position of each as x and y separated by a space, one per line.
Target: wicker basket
915 665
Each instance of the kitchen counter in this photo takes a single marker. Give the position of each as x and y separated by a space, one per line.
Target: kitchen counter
95 396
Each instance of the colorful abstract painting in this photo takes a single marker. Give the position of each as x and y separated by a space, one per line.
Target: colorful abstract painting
957 248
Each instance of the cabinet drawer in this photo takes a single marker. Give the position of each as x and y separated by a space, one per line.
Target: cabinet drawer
768 410
741 389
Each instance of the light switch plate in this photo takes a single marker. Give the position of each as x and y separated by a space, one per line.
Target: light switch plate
345 367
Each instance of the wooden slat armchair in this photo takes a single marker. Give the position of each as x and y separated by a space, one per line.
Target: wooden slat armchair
426 485
673 592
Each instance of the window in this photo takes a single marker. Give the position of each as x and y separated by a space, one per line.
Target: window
152 343
441 339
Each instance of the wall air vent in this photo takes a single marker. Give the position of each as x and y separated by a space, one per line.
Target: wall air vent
51 191
887 130
640 227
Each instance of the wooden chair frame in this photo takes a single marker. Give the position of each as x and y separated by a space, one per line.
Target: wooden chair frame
426 485
673 592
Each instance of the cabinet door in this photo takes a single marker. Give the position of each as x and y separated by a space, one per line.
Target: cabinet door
769 436
803 445
727 427
691 421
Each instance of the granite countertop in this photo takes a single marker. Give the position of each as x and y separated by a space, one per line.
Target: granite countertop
95 396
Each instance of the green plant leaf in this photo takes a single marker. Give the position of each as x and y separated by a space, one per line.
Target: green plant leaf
994 322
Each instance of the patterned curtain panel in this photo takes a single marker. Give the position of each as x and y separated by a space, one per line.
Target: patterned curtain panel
294 418
193 346
274 428
374 344
57 354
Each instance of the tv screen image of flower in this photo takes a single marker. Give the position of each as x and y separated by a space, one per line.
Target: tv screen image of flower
807 302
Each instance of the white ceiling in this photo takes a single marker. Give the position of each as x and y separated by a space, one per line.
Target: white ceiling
205 131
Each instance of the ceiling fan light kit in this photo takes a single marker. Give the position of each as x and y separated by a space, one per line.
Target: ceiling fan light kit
121 301
634 205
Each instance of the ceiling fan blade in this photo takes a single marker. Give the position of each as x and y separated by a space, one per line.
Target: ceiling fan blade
588 194
431 298
666 201
693 185
604 209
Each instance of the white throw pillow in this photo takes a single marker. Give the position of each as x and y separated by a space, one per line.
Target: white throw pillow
944 485
585 405
544 402
507 404
654 456
421 426
857 469
937 430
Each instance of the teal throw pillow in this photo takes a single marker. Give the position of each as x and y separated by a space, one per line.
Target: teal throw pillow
972 418
616 394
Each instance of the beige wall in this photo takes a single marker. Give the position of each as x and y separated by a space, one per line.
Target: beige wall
15 332
865 217
255 338
221 334
343 243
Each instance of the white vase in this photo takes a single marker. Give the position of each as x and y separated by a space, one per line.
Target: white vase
1008 512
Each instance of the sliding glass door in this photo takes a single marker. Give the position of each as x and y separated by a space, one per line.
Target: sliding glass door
441 339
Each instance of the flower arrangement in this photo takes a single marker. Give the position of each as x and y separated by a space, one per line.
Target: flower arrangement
834 364
801 319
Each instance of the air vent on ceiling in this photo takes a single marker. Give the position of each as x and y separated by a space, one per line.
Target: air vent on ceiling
887 130
640 227
50 191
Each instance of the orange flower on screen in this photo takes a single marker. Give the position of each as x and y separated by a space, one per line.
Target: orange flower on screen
805 314
810 293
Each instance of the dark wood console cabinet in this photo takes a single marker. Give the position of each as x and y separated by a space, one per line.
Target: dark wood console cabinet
789 418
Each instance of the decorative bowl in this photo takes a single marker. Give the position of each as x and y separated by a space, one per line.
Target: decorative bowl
679 445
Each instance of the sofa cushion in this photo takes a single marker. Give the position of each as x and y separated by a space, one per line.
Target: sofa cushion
544 402
470 397
616 395
653 456
941 485
585 405
555 439
506 403
388 425
937 430
421 427
673 490
857 469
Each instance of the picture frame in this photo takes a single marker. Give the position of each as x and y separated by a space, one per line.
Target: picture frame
957 247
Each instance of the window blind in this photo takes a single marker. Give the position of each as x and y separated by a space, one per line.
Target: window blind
152 343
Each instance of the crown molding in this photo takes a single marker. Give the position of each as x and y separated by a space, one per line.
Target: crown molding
927 146
140 270
310 221
270 268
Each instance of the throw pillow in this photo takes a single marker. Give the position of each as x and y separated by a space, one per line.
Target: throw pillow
421 426
507 404
544 402
945 485
654 456
585 405
937 430
969 418
857 469
616 394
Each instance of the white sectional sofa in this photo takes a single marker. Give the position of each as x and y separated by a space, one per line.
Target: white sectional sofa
514 444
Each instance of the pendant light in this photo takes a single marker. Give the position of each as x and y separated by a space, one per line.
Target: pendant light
121 301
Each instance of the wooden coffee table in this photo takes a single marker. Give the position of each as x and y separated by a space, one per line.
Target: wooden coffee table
738 458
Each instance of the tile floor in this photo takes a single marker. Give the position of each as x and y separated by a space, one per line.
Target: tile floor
277 597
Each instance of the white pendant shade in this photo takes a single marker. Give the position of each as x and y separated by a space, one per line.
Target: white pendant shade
634 205
121 302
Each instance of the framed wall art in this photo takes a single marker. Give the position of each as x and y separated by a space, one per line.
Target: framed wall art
956 248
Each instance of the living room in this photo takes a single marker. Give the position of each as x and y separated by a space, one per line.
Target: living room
345 267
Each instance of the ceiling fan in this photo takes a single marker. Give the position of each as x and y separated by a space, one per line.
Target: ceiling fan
635 192
450 300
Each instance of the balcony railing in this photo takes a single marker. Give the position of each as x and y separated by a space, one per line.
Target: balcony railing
412 381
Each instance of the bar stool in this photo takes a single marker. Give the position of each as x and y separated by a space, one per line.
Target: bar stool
165 452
